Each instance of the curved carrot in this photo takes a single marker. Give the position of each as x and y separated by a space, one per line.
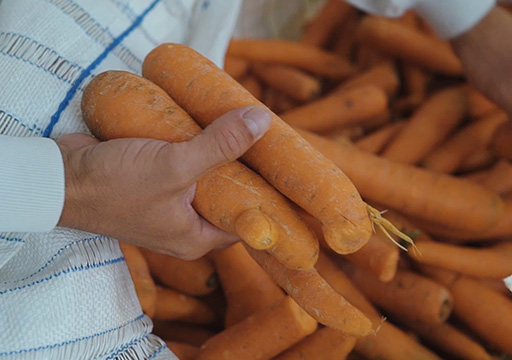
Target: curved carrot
428 126
120 104
316 185
421 194
404 42
315 296
383 76
262 335
338 109
173 305
377 140
300 55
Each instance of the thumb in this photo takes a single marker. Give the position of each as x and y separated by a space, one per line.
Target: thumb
75 141
226 139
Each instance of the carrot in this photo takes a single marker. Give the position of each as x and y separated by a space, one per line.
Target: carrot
498 178
422 194
191 334
303 56
491 262
338 109
478 160
144 285
182 350
316 185
251 83
408 295
501 140
119 104
323 344
383 76
293 82
449 156
447 338
479 105
416 83
262 335
247 287
277 101
315 296
497 285
368 56
376 122
345 132
193 277
173 305
406 43
428 126
236 67
320 29
345 37
377 140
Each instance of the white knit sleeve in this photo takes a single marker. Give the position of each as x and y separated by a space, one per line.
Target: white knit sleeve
31 184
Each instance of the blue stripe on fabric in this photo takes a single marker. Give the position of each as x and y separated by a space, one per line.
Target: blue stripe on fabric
64 272
11 239
69 342
158 351
71 93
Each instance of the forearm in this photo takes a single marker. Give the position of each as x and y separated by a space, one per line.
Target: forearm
486 55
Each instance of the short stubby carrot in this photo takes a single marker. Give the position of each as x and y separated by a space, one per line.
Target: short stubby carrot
281 156
120 104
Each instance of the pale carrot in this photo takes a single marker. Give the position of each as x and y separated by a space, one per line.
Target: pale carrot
246 286
262 335
338 109
236 67
428 126
182 350
476 136
501 140
303 56
421 194
315 296
139 271
119 104
173 305
406 43
317 185
377 140
383 75
293 82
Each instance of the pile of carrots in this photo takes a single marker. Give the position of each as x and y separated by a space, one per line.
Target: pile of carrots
368 113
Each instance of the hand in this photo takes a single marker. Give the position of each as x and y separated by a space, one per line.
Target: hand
140 190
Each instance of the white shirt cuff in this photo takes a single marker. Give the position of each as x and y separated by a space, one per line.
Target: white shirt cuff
31 184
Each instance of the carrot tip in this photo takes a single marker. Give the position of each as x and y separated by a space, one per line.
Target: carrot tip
256 229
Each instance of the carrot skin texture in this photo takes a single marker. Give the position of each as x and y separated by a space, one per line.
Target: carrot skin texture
317 185
120 104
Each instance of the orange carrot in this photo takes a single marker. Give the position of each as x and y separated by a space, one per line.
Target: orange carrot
497 285
422 194
277 101
291 81
247 287
498 178
478 160
492 262
408 295
316 185
377 140
338 109
345 37
323 344
315 296
262 335
406 43
120 104
173 305
368 56
182 350
476 136
236 67
303 56
193 277
429 125
501 140
320 29
479 105
139 271
191 334
383 76
346 133
253 85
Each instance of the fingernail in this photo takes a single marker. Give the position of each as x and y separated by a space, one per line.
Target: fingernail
257 120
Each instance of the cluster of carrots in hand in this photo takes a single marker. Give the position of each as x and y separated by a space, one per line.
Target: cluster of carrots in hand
363 108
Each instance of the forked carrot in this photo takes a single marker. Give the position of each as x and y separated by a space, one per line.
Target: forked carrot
422 194
236 67
316 185
315 296
338 109
303 56
377 140
246 286
406 43
501 140
139 271
428 126
193 277
119 104
262 335
383 76
182 350
173 305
